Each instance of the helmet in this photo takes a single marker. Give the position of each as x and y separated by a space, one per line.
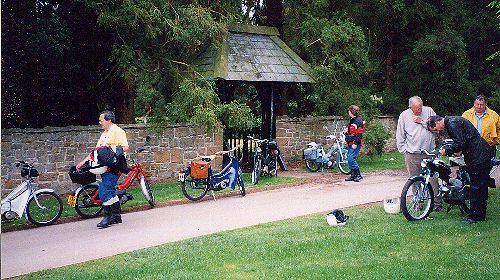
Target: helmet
336 217
312 145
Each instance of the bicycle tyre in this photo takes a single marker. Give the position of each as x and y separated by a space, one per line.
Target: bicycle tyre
196 190
84 205
241 185
147 192
273 166
419 206
257 169
312 165
51 211
342 162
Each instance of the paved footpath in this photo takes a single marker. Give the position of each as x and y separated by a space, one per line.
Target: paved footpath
59 245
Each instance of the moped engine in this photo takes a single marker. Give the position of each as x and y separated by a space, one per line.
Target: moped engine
454 192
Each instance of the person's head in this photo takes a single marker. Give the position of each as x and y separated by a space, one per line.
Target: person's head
480 104
415 103
435 123
353 111
106 119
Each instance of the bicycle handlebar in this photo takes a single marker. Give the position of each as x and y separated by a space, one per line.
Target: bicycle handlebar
257 140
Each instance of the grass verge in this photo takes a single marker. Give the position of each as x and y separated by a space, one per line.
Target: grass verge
372 245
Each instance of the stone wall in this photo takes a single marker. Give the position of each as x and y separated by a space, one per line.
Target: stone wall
293 135
54 150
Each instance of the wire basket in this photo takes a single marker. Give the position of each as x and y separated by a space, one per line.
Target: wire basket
82 177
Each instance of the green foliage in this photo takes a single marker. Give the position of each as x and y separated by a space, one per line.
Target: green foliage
159 39
439 62
336 50
375 137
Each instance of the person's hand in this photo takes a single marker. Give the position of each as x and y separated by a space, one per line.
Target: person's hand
442 152
79 165
354 146
345 130
417 119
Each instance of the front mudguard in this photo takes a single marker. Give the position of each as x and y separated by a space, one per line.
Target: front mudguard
35 193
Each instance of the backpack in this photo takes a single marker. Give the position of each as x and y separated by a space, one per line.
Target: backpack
105 156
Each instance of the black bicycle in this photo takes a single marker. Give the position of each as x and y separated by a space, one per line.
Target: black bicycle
265 158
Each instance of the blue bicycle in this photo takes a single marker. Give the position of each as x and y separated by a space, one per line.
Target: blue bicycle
198 178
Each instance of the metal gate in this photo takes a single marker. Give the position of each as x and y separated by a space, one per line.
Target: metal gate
233 137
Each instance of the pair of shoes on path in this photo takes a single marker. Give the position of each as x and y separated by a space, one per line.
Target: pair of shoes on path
355 176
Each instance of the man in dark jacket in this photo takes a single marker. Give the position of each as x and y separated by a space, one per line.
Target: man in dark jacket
466 139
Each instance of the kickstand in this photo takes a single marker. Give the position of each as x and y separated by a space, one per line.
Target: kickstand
213 195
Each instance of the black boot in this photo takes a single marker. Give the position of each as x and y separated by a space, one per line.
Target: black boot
351 177
106 221
116 218
357 176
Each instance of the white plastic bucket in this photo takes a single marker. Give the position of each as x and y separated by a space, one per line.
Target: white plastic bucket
392 205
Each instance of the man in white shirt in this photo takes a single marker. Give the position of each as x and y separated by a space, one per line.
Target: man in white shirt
412 136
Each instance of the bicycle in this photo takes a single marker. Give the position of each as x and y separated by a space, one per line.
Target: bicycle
42 207
316 158
86 200
265 158
198 178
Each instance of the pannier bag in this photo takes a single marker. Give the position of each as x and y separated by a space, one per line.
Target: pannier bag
310 154
199 169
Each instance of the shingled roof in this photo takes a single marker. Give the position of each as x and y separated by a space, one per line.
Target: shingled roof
253 53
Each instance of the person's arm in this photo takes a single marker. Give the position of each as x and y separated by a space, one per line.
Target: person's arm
456 132
400 135
81 163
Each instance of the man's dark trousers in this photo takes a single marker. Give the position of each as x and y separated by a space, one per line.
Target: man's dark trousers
479 177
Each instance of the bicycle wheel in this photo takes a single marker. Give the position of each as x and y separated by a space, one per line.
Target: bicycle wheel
241 185
312 165
194 189
85 205
257 169
417 199
147 192
273 166
342 162
44 208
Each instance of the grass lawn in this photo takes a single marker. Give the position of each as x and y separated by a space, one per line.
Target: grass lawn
386 161
373 163
372 245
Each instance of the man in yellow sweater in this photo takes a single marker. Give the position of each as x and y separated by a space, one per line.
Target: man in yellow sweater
486 121
112 136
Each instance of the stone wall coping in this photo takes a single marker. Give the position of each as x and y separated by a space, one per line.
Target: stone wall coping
323 118
52 129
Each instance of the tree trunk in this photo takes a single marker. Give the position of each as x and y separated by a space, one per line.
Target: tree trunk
274 14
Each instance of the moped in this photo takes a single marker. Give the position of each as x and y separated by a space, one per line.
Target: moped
417 197
198 178
42 206
316 158
86 199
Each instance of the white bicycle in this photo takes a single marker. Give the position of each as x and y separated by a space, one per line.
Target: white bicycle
42 206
